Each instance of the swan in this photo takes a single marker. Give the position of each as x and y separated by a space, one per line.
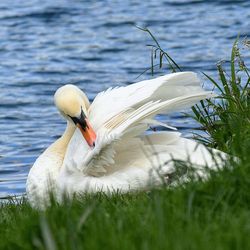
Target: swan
107 145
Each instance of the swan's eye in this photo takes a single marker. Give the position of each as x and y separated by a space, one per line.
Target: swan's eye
74 119
81 121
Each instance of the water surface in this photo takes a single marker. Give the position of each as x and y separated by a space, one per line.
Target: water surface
44 44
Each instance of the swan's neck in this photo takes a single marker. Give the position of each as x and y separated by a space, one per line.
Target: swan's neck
59 146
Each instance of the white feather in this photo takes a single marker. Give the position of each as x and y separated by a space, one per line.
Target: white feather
124 157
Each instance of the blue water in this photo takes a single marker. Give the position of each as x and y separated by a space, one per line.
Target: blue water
44 44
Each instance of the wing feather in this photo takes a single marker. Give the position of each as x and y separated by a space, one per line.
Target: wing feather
126 112
113 101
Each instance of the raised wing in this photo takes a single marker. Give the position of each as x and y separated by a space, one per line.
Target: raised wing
116 100
123 113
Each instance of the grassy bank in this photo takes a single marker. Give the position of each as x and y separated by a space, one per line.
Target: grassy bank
209 215
213 215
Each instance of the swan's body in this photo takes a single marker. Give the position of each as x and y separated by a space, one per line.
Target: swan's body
117 153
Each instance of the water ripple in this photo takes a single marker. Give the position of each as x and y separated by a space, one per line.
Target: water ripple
44 44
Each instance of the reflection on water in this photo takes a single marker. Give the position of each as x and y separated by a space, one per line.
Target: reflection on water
44 44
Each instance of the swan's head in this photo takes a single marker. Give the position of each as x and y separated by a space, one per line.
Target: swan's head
73 104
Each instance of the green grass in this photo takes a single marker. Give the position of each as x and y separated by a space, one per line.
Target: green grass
199 215
211 215
227 122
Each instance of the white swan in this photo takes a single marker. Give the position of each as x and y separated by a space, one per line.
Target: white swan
105 146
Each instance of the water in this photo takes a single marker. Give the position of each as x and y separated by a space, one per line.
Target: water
44 44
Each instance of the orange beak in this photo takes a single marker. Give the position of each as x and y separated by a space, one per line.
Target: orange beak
88 133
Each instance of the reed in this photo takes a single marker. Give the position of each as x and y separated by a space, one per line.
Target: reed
226 119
